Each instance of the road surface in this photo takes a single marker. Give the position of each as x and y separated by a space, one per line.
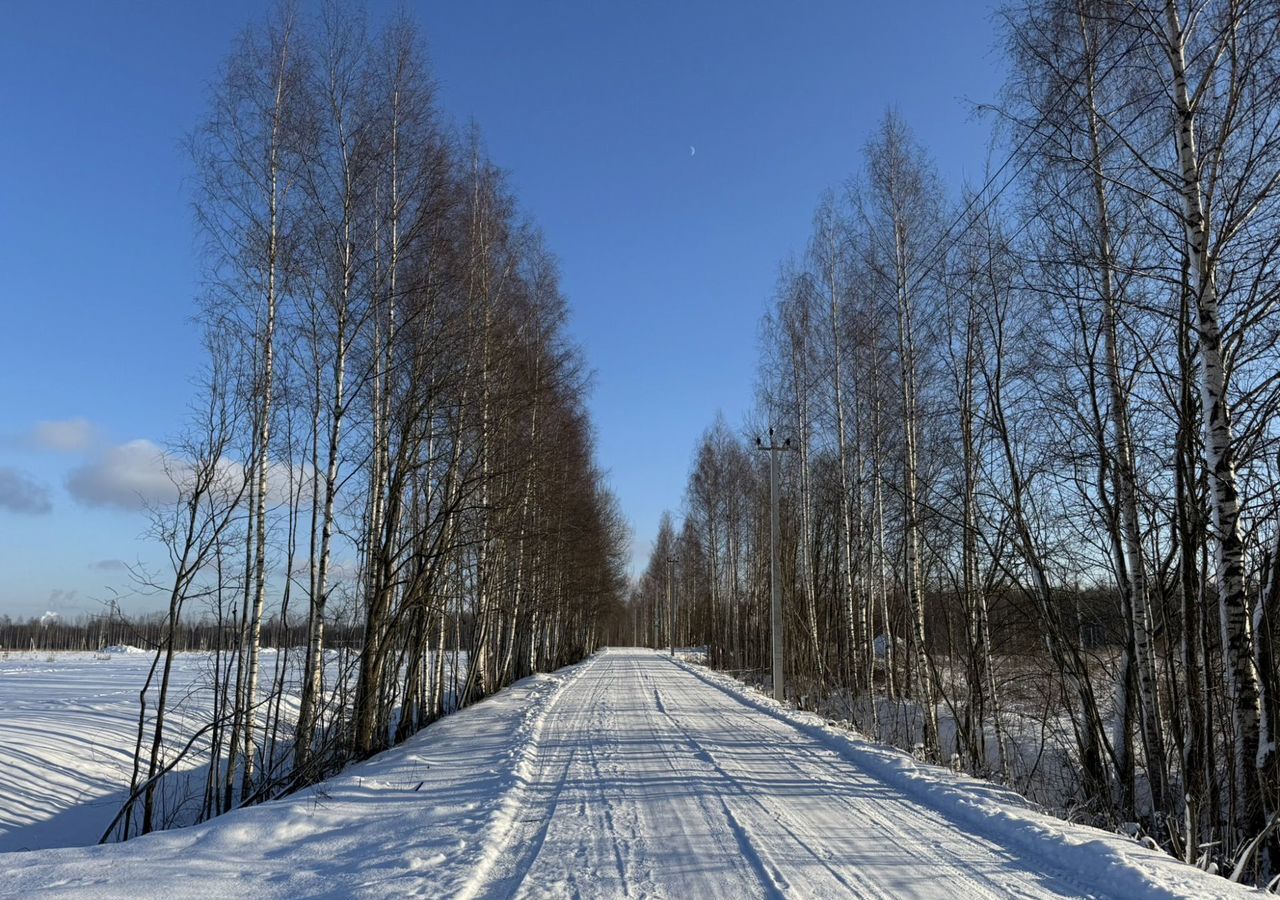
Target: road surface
650 781
630 775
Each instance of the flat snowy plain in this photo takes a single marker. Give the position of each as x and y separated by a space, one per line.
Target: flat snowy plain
628 775
68 722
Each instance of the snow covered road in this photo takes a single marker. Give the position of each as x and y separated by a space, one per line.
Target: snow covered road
630 775
653 781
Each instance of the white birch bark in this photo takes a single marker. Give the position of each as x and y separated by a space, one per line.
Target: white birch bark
911 494
1233 607
1132 575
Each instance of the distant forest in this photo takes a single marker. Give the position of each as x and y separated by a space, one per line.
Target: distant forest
150 632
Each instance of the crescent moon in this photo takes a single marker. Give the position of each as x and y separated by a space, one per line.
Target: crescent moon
692 150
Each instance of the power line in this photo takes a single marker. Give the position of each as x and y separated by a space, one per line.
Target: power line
1033 130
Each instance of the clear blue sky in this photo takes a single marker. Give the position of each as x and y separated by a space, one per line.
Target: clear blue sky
668 258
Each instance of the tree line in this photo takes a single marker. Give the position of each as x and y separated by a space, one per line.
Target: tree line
390 446
114 630
1034 437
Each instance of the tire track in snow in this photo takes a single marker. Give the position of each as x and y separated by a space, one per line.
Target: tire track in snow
645 778
749 852
914 826
771 880
498 869
909 842
646 815
619 844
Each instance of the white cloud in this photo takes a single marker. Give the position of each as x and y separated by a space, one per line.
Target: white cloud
50 617
140 474
21 493
63 435
127 476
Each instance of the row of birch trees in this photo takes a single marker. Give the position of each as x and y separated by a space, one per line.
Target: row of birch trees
1034 484
391 442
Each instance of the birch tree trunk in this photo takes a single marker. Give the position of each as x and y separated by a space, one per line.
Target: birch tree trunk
855 620
1132 575
911 495
1233 606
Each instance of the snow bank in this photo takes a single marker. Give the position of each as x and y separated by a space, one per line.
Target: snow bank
416 819
68 724
1110 864
505 818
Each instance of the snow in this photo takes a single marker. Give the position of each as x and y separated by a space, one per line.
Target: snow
410 821
1097 862
125 650
68 723
631 774
67 727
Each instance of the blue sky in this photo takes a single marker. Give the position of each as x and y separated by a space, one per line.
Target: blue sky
668 257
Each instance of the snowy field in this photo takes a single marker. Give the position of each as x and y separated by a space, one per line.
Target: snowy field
68 722
628 775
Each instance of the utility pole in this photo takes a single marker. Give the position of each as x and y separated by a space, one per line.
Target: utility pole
671 607
775 576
